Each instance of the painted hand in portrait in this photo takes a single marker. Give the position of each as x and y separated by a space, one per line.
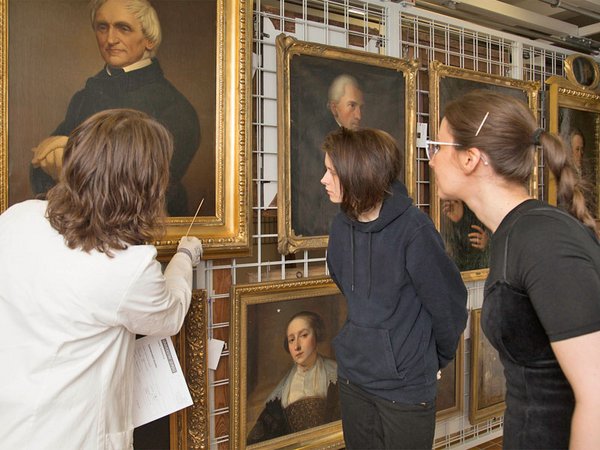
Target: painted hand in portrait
465 236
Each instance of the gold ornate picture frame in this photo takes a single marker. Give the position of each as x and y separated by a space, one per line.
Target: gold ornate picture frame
583 71
260 364
574 114
454 219
487 383
205 53
189 428
305 72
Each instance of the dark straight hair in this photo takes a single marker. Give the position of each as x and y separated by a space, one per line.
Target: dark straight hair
367 162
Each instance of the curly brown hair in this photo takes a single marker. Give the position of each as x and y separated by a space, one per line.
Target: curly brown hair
111 191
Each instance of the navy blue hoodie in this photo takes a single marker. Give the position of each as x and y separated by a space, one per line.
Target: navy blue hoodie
406 301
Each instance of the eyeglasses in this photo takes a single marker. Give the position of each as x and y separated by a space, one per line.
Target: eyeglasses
432 147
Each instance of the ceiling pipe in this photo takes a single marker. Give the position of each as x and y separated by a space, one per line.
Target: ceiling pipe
499 11
572 8
576 44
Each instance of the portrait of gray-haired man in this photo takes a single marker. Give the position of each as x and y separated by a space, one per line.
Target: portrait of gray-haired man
346 101
128 34
344 109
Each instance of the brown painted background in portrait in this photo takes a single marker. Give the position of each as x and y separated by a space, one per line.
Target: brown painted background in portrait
52 52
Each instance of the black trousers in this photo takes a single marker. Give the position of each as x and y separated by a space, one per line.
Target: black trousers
370 422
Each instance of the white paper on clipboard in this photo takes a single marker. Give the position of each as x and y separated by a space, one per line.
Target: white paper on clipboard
159 387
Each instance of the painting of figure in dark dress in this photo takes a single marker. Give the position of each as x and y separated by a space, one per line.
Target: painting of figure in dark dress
292 372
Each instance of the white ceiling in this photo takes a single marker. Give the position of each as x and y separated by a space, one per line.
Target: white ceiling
572 24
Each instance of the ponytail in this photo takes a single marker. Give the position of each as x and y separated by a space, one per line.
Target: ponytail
570 188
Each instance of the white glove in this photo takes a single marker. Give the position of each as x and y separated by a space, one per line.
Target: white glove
192 247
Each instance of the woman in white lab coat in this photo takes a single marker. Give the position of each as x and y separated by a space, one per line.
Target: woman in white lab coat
79 281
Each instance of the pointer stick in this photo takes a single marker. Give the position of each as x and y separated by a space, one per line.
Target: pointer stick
195 215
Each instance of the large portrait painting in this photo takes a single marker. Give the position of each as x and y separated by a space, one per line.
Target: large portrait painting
488 385
321 88
467 239
197 85
574 114
282 332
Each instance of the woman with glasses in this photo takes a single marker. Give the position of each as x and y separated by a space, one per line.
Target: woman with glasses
406 299
541 309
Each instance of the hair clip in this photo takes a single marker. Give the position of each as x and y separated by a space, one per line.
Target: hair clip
482 122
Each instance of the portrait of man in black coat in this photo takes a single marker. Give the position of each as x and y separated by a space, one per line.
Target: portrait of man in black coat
326 94
128 35
343 109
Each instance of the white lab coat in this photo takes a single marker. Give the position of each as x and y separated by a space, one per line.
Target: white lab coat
68 321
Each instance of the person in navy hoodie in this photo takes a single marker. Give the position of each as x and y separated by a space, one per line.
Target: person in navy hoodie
406 299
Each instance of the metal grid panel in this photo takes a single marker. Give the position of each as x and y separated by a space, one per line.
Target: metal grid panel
378 27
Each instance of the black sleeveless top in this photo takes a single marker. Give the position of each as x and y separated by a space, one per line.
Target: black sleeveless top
543 286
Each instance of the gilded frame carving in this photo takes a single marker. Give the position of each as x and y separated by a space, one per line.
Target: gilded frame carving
305 129
260 313
189 428
226 232
583 71
572 105
487 382
447 83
